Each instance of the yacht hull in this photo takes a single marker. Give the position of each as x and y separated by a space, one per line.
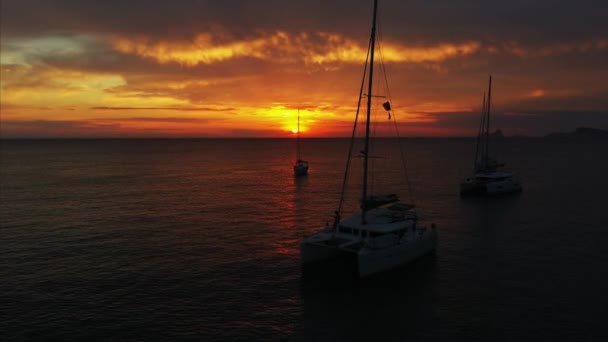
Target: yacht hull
497 183
369 260
372 261
318 248
300 170
489 189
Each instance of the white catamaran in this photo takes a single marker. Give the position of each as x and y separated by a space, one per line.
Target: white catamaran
385 233
300 168
487 179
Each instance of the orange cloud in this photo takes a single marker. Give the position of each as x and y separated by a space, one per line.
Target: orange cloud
537 93
200 51
346 50
318 48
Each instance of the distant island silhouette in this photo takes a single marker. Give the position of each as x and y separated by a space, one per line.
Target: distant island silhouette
497 134
581 133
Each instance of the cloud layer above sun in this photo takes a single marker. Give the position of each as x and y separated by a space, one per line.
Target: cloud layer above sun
244 69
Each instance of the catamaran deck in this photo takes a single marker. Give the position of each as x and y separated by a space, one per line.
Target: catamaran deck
381 220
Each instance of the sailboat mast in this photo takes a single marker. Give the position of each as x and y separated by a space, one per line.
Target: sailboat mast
369 111
488 122
298 138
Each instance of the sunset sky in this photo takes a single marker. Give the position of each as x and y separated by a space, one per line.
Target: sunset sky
74 68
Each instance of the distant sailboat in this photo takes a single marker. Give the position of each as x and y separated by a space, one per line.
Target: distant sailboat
385 233
300 168
487 179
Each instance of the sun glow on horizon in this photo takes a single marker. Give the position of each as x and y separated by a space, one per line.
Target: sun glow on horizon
288 118
52 87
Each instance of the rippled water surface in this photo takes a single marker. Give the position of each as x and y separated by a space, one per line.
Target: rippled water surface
197 239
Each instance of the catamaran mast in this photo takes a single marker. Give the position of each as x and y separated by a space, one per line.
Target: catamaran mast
487 156
369 106
479 147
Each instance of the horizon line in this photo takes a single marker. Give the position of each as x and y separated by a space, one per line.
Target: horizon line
260 138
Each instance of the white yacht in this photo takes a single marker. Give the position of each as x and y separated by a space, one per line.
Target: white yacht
486 178
490 183
384 233
381 239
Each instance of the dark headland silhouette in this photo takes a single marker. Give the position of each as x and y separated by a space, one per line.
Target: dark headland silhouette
497 134
581 133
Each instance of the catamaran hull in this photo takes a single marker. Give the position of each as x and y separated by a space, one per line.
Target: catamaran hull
489 189
314 252
372 261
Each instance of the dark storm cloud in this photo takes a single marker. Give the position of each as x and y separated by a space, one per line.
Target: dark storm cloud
536 30
414 21
577 102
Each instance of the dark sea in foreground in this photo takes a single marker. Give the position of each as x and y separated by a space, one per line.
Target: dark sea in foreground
120 240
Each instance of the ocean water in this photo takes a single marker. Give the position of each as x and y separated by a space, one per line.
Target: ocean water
198 240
